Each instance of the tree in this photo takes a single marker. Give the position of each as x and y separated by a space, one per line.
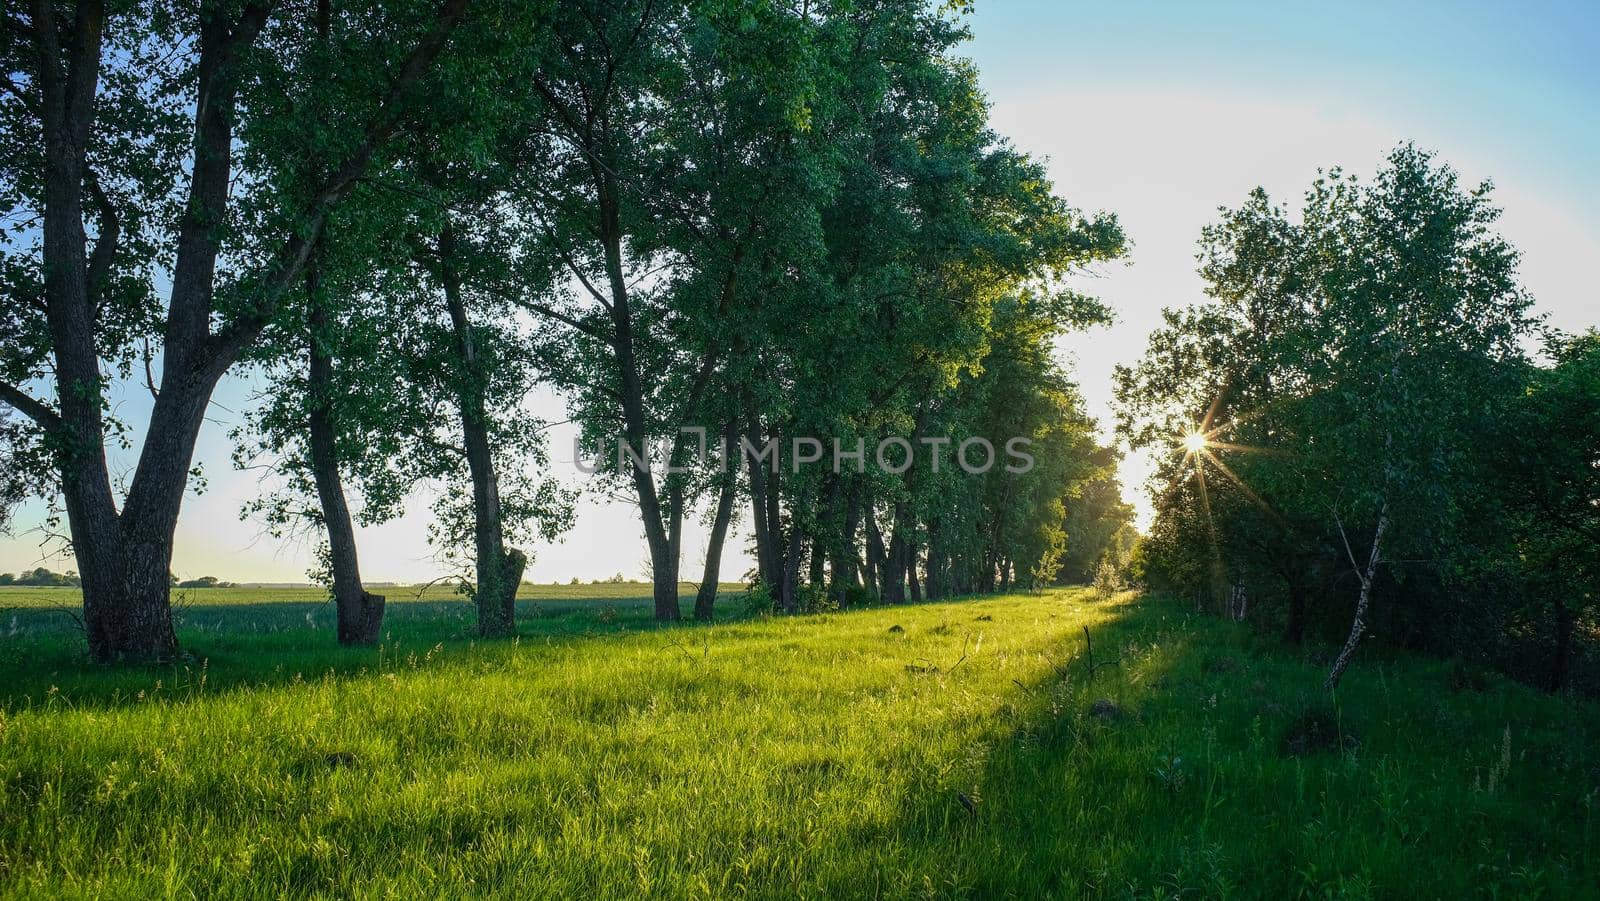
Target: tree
1328 385
102 117
1098 523
417 279
1533 522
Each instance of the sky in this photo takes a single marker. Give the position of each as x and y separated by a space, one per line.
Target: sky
1160 113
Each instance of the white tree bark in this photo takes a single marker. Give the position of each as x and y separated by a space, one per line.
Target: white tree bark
1367 575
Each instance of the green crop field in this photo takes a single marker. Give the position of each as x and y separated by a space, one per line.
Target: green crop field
12 596
956 749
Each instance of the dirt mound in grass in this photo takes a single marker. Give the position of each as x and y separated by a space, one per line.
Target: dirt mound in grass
1317 732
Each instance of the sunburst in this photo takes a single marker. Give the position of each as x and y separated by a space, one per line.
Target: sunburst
1202 444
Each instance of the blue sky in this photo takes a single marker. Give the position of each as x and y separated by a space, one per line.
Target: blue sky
1160 112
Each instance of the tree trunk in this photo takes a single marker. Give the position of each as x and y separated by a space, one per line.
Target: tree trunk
911 573
1359 624
817 575
1565 622
846 562
663 549
360 614
1294 631
499 570
877 555
894 573
705 600
789 597
664 571
935 587
768 560
124 615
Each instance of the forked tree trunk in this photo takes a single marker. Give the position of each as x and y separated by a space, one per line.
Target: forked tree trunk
877 557
360 614
1358 625
664 566
706 599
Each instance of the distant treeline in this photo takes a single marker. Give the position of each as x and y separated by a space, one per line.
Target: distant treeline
42 577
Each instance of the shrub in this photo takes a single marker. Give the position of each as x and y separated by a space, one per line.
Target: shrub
1107 578
815 599
857 596
758 600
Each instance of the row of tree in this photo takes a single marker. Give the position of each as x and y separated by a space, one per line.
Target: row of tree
768 220
1371 434
41 577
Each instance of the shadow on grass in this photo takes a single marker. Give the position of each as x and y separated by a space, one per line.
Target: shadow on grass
1178 771
847 755
226 646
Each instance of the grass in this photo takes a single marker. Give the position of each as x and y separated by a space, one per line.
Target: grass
938 750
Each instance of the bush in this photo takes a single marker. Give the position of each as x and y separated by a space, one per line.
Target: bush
815 599
857 596
1107 578
758 600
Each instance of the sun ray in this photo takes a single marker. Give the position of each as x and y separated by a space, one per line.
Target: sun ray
1246 489
1247 448
1216 406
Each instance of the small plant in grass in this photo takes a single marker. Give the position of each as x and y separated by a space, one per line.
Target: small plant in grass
1171 774
1498 770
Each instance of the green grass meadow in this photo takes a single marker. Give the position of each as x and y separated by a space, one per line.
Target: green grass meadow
938 750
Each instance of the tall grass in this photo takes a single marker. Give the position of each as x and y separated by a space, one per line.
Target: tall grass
951 749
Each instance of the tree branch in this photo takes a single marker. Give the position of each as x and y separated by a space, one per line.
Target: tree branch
35 409
228 343
586 328
105 244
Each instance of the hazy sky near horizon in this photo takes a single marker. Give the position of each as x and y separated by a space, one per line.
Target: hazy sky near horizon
1161 113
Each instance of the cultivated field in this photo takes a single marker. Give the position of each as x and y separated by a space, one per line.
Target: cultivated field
949 749
71 598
